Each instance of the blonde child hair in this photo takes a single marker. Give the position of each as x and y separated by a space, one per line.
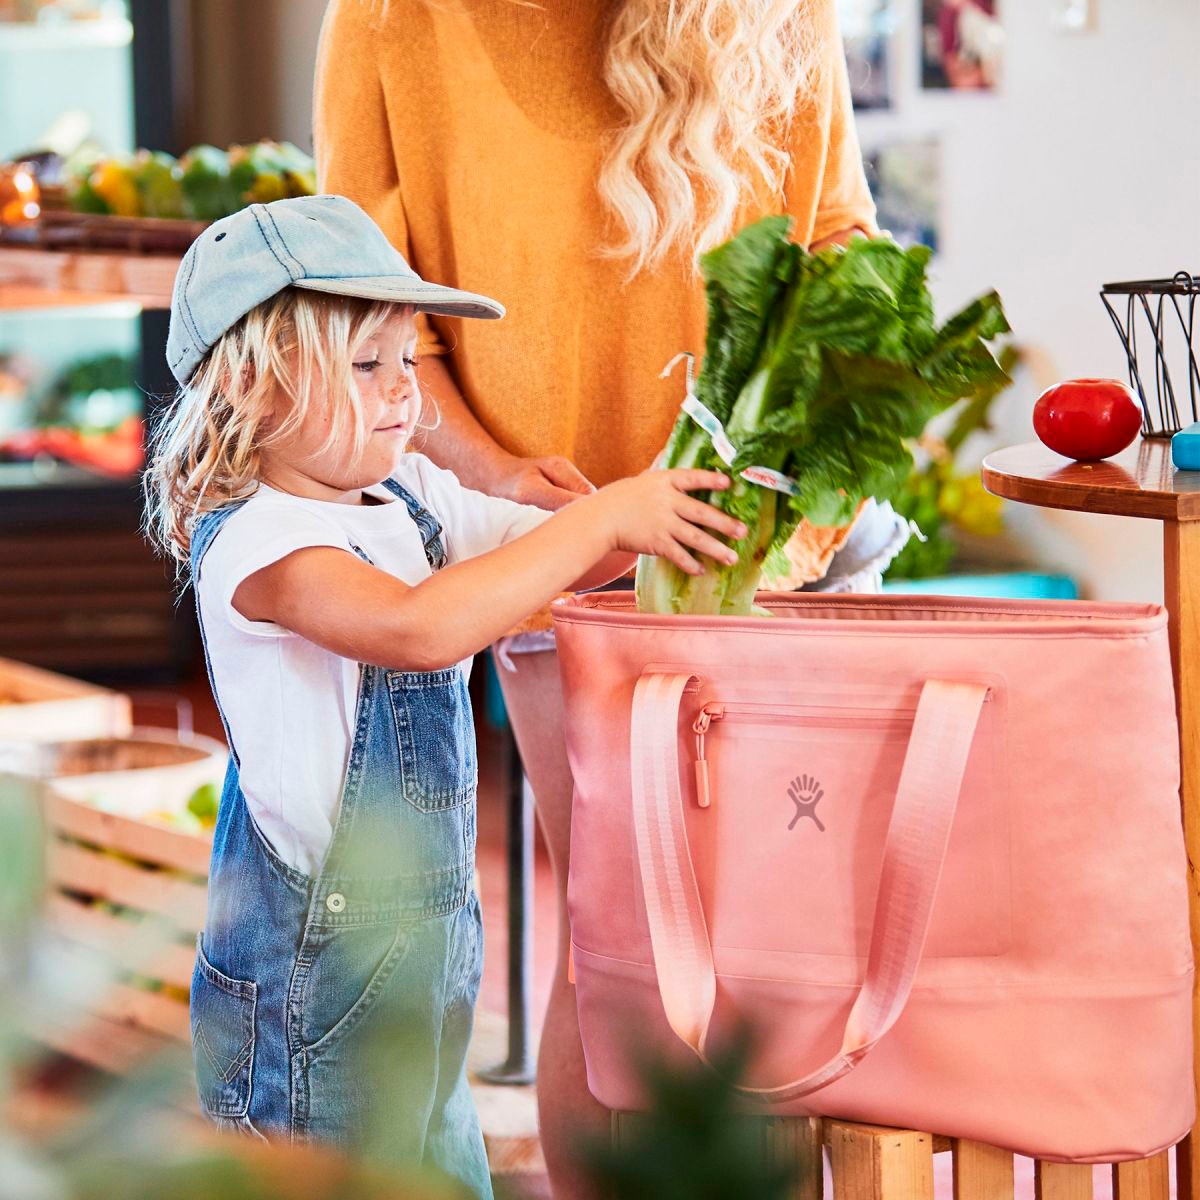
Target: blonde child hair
299 346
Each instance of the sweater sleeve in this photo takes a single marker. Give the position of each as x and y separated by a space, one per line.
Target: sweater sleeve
352 135
827 191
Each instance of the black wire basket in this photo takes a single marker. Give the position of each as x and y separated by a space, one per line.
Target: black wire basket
1156 321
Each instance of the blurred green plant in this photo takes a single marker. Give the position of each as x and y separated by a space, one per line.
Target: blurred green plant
695 1141
940 497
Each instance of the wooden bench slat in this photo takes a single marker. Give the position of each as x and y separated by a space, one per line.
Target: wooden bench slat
797 1143
941 1145
982 1172
111 1046
1146 1179
1062 1181
873 1163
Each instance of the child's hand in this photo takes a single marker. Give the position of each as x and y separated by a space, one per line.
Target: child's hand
652 513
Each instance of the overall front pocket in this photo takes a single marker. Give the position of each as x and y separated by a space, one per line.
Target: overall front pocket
369 1007
436 737
348 972
222 1012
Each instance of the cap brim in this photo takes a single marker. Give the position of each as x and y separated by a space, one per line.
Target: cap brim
401 289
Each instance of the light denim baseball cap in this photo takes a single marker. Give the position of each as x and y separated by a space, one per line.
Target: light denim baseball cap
324 243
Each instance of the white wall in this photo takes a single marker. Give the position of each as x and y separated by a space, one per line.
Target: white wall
1084 169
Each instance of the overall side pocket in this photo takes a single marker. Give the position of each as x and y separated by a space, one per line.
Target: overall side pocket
222 1013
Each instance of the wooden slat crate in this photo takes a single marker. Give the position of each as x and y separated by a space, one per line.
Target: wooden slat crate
39 706
135 892
158 875
870 1162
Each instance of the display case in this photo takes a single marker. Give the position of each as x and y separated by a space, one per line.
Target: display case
82 365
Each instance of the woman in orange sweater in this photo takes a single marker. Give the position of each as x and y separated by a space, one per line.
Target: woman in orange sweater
571 159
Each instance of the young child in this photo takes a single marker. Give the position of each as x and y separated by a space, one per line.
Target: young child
342 586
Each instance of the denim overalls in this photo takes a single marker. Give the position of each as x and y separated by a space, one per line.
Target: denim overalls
338 1008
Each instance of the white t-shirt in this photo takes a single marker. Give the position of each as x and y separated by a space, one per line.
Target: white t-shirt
288 702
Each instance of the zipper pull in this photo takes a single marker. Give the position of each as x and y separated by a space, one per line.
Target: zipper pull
704 718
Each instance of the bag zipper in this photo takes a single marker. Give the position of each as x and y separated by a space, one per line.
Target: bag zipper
779 714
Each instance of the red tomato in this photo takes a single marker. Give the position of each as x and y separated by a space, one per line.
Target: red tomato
1087 419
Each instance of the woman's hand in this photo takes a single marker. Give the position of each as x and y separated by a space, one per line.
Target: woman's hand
652 513
549 483
460 443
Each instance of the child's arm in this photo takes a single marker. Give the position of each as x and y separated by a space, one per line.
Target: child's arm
611 566
339 602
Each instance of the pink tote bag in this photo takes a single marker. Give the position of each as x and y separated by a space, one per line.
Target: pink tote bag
930 847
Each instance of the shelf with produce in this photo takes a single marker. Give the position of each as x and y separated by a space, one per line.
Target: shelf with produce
116 227
32 36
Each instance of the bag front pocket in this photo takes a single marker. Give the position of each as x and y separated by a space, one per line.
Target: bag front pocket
222 1013
436 737
800 801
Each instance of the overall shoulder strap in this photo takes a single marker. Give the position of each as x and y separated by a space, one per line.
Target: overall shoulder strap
427 523
206 529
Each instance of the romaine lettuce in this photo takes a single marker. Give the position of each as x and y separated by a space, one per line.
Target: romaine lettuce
823 367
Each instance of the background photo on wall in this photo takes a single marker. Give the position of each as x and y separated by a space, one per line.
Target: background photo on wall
905 179
962 45
867 27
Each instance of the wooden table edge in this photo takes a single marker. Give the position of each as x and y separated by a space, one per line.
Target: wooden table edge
1100 499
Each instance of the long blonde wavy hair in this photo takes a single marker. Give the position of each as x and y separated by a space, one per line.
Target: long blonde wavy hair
709 90
251 392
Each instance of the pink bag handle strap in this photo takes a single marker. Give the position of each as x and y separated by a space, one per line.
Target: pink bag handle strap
915 850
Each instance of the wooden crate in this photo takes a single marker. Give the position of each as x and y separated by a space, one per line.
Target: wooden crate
135 892
39 706
157 874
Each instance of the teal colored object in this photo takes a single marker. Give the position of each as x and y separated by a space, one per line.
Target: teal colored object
494 706
1014 585
1185 448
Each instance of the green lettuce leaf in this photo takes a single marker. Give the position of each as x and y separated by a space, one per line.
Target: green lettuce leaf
824 367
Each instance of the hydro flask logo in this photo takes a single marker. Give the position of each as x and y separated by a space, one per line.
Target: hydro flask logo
805 793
